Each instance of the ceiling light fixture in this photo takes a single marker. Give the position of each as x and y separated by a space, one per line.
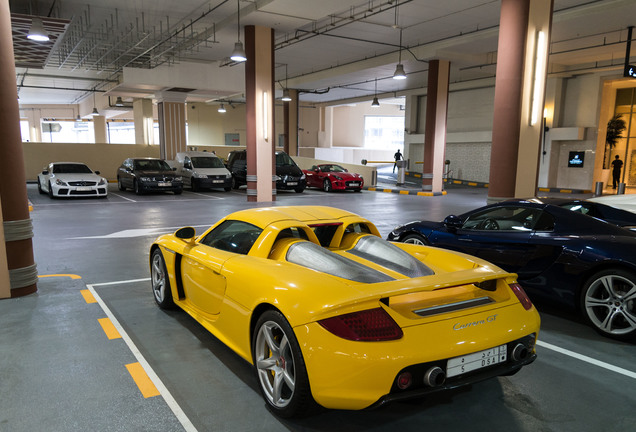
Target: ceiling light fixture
95 112
37 32
119 102
222 109
286 97
375 102
399 69
238 55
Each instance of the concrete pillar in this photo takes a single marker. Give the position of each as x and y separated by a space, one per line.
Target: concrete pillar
172 124
144 121
99 124
290 113
516 138
259 98
435 132
16 260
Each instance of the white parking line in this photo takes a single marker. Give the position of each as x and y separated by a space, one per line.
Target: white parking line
587 359
121 196
165 393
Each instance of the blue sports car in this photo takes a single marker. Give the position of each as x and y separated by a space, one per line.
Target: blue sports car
561 256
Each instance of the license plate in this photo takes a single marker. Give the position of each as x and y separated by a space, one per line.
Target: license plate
164 184
478 360
354 184
292 183
83 189
217 181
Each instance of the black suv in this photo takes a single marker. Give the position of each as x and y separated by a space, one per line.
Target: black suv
288 174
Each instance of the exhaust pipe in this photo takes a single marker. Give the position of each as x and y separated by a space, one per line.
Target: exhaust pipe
434 377
520 352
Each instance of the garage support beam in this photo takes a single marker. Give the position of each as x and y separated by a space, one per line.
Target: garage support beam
259 98
435 131
16 260
172 124
290 114
524 33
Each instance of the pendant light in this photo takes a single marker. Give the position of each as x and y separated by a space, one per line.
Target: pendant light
222 109
399 69
37 32
376 102
95 112
238 55
286 97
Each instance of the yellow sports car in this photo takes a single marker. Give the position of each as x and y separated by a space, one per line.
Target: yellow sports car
330 313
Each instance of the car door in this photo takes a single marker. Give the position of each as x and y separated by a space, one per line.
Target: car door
499 235
202 275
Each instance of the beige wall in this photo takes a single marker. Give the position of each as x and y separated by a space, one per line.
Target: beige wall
105 158
348 122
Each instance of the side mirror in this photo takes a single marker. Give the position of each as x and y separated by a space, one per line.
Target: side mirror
97 172
186 233
453 222
45 172
174 169
187 165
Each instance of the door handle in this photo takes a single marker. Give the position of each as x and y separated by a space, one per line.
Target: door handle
465 239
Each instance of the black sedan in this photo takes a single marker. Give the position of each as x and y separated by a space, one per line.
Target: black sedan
561 256
148 174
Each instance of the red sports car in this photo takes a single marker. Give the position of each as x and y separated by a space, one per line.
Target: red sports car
330 177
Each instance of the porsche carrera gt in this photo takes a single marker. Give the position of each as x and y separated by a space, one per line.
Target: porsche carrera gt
301 292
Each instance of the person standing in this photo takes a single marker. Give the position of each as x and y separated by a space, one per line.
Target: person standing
398 157
617 164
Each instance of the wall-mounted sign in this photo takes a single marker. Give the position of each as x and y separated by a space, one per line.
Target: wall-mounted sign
630 71
576 159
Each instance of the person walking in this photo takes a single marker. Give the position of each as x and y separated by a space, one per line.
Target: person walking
617 164
398 157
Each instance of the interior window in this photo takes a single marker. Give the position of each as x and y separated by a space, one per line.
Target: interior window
233 236
325 232
357 228
293 232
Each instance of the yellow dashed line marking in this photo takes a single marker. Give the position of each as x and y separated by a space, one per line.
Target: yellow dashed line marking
88 296
387 190
544 189
566 191
109 328
146 387
403 192
72 276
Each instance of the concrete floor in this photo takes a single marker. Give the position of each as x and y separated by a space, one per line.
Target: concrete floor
60 372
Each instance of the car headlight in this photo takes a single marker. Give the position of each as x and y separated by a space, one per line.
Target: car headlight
60 182
102 182
302 177
200 175
228 175
144 179
277 178
178 179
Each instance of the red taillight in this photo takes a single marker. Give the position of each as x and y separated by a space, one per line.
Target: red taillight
368 325
521 295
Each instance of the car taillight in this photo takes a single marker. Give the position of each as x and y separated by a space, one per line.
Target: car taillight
521 295
367 326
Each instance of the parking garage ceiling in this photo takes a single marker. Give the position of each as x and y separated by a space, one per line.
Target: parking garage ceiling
334 50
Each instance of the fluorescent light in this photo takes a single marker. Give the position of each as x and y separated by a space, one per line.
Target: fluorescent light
539 78
265 121
37 32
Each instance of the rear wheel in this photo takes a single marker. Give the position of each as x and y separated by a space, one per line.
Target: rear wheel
280 368
160 281
415 239
608 301
326 185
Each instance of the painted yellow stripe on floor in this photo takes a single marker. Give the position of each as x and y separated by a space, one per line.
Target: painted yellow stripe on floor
109 328
72 276
566 191
404 192
146 387
88 296
387 190
544 190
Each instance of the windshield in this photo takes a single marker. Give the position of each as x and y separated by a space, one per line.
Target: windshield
207 162
71 169
332 168
151 165
284 159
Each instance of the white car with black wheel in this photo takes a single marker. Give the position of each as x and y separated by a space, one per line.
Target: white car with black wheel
71 180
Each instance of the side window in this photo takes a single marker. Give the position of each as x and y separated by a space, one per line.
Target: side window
504 219
292 232
233 236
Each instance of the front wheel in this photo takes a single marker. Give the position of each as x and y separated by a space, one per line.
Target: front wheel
280 368
415 239
40 187
608 301
137 187
120 185
326 185
160 281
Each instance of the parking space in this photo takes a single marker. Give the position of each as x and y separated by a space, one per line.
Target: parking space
580 382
